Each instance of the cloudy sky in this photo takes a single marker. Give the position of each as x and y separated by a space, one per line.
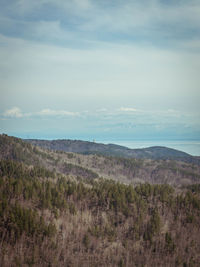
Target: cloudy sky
100 69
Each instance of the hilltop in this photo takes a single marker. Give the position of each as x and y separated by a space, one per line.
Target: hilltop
85 147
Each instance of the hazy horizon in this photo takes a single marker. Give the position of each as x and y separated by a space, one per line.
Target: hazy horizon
191 147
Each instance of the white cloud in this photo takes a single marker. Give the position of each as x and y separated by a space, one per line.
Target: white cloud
102 110
14 112
51 112
129 109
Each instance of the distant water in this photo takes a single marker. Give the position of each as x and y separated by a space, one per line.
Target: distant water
190 147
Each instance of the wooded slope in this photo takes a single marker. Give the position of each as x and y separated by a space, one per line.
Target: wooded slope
55 210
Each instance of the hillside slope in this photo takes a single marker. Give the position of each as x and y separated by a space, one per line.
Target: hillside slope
56 211
85 147
126 170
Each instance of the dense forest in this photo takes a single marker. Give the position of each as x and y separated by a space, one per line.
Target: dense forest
56 209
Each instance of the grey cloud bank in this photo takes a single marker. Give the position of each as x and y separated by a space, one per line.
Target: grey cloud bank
138 63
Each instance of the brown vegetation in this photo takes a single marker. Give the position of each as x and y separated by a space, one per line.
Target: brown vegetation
49 217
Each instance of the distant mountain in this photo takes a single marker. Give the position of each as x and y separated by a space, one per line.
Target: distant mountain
85 147
92 166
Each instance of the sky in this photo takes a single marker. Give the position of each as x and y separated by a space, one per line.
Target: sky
103 69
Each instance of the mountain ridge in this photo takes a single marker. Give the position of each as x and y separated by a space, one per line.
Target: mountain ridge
86 147
92 166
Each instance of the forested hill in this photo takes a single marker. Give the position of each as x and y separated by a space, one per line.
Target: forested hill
85 147
126 170
62 209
